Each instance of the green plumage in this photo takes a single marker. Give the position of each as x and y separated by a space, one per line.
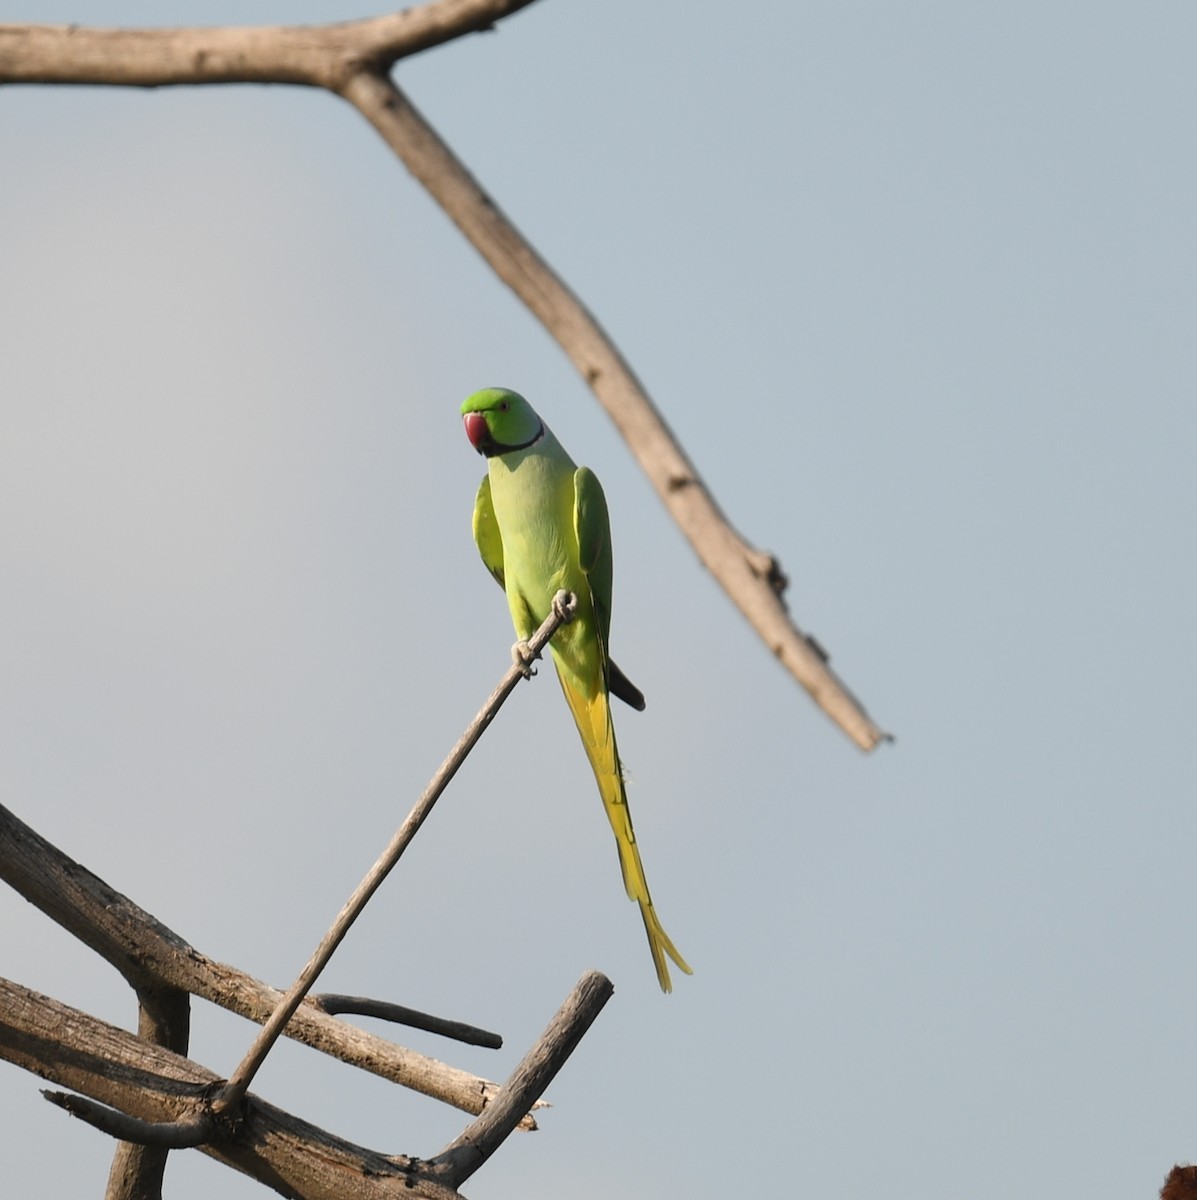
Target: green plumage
541 525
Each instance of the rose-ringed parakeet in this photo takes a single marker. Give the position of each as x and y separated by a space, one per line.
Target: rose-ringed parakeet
541 526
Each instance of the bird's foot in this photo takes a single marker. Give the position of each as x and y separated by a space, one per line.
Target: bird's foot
524 656
565 605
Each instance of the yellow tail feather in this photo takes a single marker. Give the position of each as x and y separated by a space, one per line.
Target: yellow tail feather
592 714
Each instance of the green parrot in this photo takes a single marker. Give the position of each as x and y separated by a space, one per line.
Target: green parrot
541 526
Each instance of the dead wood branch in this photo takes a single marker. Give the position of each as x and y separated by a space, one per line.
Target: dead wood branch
153 1084
184 1134
564 606
164 1018
149 954
67 892
463 1156
752 579
137 1090
309 55
353 59
337 1004
142 1087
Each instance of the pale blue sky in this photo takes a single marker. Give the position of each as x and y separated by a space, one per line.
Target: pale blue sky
916 285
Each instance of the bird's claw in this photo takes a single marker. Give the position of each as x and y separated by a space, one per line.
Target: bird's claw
565 605
565 608
524 656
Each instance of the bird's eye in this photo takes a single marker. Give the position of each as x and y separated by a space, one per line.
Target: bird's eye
503 406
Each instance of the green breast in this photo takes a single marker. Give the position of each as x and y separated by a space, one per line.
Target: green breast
533 495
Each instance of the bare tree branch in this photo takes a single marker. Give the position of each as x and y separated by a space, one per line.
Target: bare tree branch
184 1134
164 1015
753 579
154 1085
149 954
564 606
139 1089
353 58
337 1004
482 1137
164 1018
309 55
456 1163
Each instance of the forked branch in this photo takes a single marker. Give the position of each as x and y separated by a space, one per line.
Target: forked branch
310 55
41 873
353 59
150 955
753 579
186 1107
156 1086
564 605
139 1090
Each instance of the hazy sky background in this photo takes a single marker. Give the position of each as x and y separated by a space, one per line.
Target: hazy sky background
916 286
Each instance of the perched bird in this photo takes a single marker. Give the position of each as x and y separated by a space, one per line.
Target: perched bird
541 526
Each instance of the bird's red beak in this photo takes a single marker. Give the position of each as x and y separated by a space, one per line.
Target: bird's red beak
476 430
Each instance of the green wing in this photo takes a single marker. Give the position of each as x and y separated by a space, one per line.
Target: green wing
592 527
486 532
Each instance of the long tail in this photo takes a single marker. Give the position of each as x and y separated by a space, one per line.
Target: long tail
593 717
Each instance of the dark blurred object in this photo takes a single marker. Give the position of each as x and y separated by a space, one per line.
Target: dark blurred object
1181 1184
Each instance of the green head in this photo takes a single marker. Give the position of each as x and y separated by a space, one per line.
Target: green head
498 420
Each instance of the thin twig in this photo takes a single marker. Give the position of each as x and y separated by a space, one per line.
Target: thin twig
184 1134
564 605
536 1070
362 1006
